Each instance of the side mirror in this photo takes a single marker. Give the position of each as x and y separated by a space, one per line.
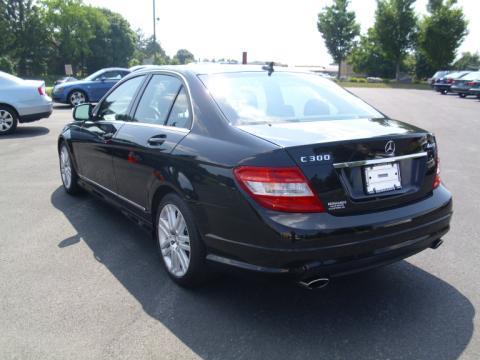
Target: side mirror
103 78
82 112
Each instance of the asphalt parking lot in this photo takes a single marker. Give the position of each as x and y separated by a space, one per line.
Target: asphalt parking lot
80 281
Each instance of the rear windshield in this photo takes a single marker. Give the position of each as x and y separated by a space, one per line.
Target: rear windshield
255 98
472 76
4 77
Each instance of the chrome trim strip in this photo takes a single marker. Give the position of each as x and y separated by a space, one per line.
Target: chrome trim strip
159 126
111 192
378 161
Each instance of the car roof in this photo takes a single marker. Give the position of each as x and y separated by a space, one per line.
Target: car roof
113 69
212 68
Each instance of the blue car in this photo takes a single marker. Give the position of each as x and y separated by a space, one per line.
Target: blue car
91 89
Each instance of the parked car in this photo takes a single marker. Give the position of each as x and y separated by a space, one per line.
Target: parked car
269 170
373 79
21 101
443 85
65 79
91 89
462 86
141 67
438 75
476 91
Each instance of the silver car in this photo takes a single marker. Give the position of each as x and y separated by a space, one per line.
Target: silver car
21 101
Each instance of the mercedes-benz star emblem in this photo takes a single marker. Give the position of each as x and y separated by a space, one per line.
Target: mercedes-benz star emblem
390 147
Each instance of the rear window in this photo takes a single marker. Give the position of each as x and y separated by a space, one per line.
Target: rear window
255 98
7 78
472 76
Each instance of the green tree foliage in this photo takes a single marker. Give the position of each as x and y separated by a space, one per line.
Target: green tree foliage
183 56
75 27
441 33
112 44
148 51
395 26
367 57
468 61
339 30
24 37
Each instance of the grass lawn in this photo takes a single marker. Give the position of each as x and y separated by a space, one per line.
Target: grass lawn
385 86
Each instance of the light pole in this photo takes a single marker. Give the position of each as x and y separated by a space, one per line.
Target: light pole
154 25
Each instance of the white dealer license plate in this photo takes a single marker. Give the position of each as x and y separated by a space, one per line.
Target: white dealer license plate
381 178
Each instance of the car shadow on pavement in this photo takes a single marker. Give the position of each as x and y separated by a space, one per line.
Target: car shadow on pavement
27 132
394 312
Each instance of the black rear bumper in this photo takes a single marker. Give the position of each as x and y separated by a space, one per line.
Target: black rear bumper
335 252
35 117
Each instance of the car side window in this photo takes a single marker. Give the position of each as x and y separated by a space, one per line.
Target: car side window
180 114
115 106
157 100
112 75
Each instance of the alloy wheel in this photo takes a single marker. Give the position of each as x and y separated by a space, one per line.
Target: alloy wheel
77 98
174 240
65 167
6 120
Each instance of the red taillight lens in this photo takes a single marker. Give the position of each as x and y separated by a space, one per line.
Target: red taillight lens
450 81
437 181
472 83
41 91
279 189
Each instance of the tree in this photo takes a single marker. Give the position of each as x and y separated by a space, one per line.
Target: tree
441 33
113 44
184 56
339 30
367 57
148 51
70 22
468 61
25 39
395 26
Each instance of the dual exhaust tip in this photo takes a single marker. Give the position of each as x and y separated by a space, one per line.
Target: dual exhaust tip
314 283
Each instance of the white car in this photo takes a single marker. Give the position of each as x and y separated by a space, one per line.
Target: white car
21 101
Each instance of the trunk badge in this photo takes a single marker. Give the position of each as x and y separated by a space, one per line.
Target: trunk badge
390 147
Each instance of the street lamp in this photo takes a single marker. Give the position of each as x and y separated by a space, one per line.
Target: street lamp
154 25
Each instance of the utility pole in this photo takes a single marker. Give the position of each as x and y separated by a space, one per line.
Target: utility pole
154 25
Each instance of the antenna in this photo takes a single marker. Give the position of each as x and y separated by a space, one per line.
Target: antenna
269 67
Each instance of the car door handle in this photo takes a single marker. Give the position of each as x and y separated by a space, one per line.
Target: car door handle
157 140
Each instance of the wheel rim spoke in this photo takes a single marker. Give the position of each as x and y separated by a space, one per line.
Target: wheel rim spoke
65 168
174 240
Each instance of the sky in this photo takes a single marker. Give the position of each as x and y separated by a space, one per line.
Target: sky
277 30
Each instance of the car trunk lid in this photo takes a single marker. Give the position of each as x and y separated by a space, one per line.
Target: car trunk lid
338 156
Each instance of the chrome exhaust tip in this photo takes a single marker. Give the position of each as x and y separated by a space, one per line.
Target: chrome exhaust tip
436 244
314 283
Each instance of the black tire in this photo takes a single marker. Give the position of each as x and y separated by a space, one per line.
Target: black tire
8 120
462 95
444 92
197 271
73 94
72 186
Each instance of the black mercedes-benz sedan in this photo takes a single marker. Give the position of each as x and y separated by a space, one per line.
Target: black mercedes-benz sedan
259 168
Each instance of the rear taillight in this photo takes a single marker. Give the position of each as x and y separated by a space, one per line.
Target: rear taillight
437 181
450 81
41 91
472 83
279 189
